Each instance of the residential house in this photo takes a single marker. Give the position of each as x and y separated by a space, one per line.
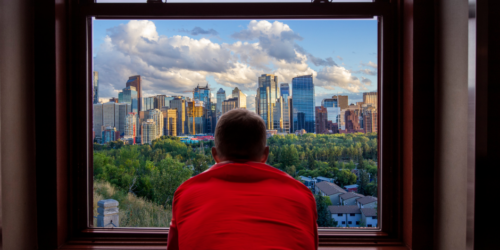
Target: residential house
369 217
308 181
321 178
367 201
329 189
346 215
349 198
351 188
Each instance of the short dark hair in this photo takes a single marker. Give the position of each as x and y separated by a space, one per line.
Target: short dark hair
240 135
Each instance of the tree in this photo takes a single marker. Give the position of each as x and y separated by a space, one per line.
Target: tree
345 177
324 217
168 175
290 170
363 182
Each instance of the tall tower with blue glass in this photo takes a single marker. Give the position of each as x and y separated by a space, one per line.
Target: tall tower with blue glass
268 93
203 94
285 93
303 103
129 96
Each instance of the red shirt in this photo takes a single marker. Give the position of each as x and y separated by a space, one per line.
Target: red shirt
243 206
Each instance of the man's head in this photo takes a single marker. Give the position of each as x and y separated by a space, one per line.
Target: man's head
240 135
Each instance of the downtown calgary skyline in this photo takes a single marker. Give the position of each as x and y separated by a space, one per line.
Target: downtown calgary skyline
173 57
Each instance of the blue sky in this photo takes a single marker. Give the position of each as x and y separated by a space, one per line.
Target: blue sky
175 55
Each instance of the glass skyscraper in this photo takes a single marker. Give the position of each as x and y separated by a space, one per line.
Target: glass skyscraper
303 103
221 96
285 93
267 95
129 96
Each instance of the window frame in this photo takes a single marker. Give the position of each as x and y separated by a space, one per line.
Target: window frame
80 170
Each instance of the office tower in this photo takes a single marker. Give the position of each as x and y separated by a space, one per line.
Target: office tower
98 121
135 81
370 98
148 129
129 96
242 98
290 112
268 93
303 103
221 96
157 116
131 126
370 118
352 119
180 105
321 116
109 134
109 113
196 119
278 115
96 88
333 119
113 99
160 101
229 104
169 121
342 101
167 101
123 111
329 103
150 103
203 94
285 93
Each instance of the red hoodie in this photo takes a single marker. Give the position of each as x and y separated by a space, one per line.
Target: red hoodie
243 206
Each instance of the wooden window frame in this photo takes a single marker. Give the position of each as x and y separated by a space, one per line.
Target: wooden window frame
68 186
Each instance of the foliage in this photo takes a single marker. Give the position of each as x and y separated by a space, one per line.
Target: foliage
324 217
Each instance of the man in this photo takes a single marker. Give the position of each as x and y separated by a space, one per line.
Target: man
240 202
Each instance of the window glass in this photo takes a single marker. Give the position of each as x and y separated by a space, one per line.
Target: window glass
159 87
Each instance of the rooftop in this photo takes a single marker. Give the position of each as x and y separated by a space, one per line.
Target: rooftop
329 188
344 209
366 200
351 186
350 195
368 211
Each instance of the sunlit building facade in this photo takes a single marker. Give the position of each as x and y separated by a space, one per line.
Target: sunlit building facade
242 98
157 116
370 98
131 126
169 121
180 105
303 103
148 129
135 81
129 96
268 93
196 119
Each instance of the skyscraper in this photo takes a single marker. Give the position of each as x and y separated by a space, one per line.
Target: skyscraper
285 93
370 98
97 121
369 118
221 96
150 103
279 115
148 129
340 101
110 114
157 116
229 104
96 87
203 94
196 120
180 104
268 93
242 98
169 121
303 103
321 117
131 126
129 96
135 81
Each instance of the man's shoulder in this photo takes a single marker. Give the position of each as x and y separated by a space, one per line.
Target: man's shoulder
250 172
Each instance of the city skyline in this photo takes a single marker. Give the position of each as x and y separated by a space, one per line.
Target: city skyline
240 51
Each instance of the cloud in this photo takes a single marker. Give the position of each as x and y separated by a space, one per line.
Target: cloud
321 62
251 102
365 72
199 31
340 58
336 76
369 64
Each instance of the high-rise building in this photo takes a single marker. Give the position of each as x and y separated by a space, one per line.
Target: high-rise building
96 87
157 116
221 96
290 111
180 105
169 121
113 99
352 117
203 94
285 93
98 121
370 98
268 93
303 103
160 101
242 98
340 101
321 117
135 81
129 96
123 111
150 103
370 118
148 129
131 126
333 118
229 104
109 134
279 115
196 120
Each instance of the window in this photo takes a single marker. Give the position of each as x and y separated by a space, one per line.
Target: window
339 215
153 120
350 222
357 222
106 12
369 225
374 217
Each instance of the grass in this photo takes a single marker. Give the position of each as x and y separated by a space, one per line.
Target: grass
133 211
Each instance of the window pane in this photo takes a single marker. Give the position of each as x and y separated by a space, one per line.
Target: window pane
160 86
